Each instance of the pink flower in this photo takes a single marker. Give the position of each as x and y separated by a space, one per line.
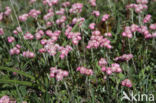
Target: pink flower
4 99
127 83
108 34
103 69
58 73
60 12
66 4
153 26
85 71
92 26
125 57
96 13
116 68
147 18
23 17
1 31
48 15
28 54
76 8
11 39
127 32
34 13
109 71
102 62
92 2
28 36
14 51
105 17
7 11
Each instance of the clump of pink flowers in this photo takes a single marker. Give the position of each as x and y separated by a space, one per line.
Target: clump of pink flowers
23 17
74 36
85 71
15 50
28 36
11 39
139 7
127 83
58 73
6 99
97 40
76 8
147 18
92 2
96 13
105 17
92 26
52 49
115 68
34 13
39 34
28 54
153 26
125 57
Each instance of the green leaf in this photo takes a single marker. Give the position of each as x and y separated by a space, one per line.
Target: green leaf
16 82
17 71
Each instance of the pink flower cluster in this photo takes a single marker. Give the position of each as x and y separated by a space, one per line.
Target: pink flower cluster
96 13
92 2
147 18
97 40
18 30
78 20
66 4
105 17
7 12
115 68
58 73
102 62
15 50
28 54
92 26
48 15
60 12
85 71
6 99
53 35
153 26
141 29
50 2
23 17
11 39
1 31
125 57
76 37
138 7
127 83
61 20
76 8
28 36
39 34
34 13
108 34
52 49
